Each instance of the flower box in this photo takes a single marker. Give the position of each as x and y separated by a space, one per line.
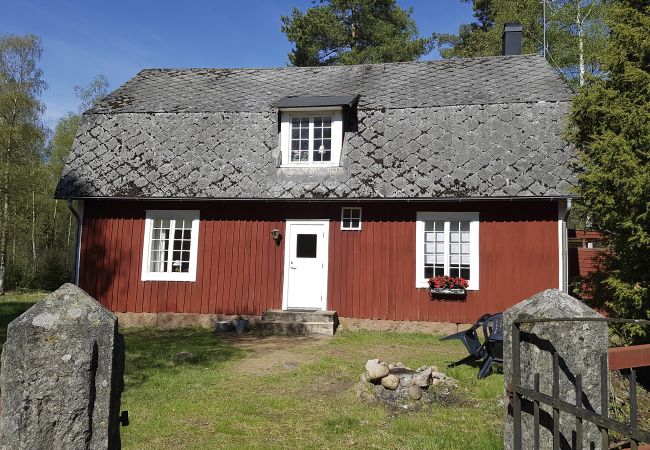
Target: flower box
444 285
448 291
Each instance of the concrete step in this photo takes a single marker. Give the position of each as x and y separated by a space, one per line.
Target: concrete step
267 327
300 315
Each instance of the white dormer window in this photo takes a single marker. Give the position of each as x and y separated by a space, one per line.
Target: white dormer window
311 138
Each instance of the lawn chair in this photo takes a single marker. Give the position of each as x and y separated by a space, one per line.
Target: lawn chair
493 343
471 341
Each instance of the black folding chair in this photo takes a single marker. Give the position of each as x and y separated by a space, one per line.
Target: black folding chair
471 341
493 343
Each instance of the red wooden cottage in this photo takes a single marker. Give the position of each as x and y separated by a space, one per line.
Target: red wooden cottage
235 191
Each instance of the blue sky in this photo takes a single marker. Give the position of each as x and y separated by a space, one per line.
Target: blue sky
118 38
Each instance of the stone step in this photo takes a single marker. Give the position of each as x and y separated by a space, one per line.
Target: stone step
299 315
266 327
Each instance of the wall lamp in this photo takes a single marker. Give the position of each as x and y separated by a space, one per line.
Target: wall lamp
276 235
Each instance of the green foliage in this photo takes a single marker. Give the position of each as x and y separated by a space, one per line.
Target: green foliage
12 306
36 232
611 127
22 137
568 22
91 94
354 32
483 37
61 142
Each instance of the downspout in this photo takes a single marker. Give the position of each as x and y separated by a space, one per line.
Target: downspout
565 249
77 244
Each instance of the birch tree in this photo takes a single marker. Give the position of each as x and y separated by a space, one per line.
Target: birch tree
21 83
573 32
578 35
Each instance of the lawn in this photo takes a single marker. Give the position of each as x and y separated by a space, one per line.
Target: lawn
193 390
12 305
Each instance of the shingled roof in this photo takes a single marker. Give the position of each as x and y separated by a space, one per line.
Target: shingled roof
477 127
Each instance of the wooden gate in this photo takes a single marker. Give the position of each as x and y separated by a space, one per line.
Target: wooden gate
630 357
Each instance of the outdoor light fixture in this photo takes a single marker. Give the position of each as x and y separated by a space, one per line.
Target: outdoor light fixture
275 234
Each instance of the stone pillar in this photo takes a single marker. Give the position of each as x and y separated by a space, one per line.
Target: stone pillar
579 346
61 375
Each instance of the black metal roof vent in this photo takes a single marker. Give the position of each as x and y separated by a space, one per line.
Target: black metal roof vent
511 39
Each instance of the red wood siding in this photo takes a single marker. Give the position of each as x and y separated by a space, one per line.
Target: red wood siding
371 272
583 261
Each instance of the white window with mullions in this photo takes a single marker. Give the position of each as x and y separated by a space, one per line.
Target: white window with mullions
322 150
170 245
350 218
311 138
447 244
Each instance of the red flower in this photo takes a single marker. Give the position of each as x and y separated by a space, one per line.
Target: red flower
444 281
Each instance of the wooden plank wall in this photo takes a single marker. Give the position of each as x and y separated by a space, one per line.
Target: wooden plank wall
583 261
518 247
371 272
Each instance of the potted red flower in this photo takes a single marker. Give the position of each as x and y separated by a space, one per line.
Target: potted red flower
442 284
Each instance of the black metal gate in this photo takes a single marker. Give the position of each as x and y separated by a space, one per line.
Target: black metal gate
605 424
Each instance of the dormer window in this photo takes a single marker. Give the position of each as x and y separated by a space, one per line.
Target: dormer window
311 138
311 131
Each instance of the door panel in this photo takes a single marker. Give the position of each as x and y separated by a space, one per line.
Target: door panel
306 270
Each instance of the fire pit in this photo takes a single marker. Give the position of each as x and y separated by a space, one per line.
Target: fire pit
400 386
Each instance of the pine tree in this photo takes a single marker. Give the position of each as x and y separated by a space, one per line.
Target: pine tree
354 32
611 127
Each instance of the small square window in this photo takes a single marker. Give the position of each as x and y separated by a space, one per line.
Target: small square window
350 218
306 245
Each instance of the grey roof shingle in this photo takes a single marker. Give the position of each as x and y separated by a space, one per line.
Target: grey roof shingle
480 127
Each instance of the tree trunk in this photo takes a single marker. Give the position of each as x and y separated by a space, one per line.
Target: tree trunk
354 29
581 52
34 228
53 238
13 237
3 235
69 231
5 198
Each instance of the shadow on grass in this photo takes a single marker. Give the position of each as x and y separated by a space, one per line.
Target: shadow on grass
150 351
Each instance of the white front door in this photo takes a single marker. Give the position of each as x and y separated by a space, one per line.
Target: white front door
305 263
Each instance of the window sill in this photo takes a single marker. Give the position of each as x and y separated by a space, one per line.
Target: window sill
425 285
308 165
168 277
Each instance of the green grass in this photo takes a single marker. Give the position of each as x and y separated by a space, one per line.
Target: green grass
12 305
217 398
210 402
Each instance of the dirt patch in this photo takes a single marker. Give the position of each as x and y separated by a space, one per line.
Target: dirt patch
441 328
274 353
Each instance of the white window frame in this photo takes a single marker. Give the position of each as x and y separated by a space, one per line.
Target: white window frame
358 208
173 215
287 114
473 218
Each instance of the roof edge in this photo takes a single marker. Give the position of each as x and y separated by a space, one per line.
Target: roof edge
323 200
397 63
